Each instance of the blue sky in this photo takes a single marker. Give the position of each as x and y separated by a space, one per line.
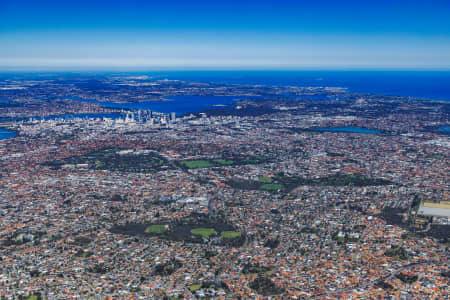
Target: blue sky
230 34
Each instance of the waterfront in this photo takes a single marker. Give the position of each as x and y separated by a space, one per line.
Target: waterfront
348 129
83 116
178 104
433 85
6 134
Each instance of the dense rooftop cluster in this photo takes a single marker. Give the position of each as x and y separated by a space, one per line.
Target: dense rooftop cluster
289 211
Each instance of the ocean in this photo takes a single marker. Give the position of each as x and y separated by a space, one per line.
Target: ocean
433 85
424 85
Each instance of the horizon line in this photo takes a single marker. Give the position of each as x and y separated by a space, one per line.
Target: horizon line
170 69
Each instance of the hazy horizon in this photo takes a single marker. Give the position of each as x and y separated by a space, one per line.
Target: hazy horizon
199 35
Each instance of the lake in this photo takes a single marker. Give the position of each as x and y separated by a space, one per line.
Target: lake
6 134
348 129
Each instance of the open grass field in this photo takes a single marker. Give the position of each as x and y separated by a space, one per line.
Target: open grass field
219 162
155 229
204 232
224 162
265 179
195 287
194 164
271 187
195 228
230 234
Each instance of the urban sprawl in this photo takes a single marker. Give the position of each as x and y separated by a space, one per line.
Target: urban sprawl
281 193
